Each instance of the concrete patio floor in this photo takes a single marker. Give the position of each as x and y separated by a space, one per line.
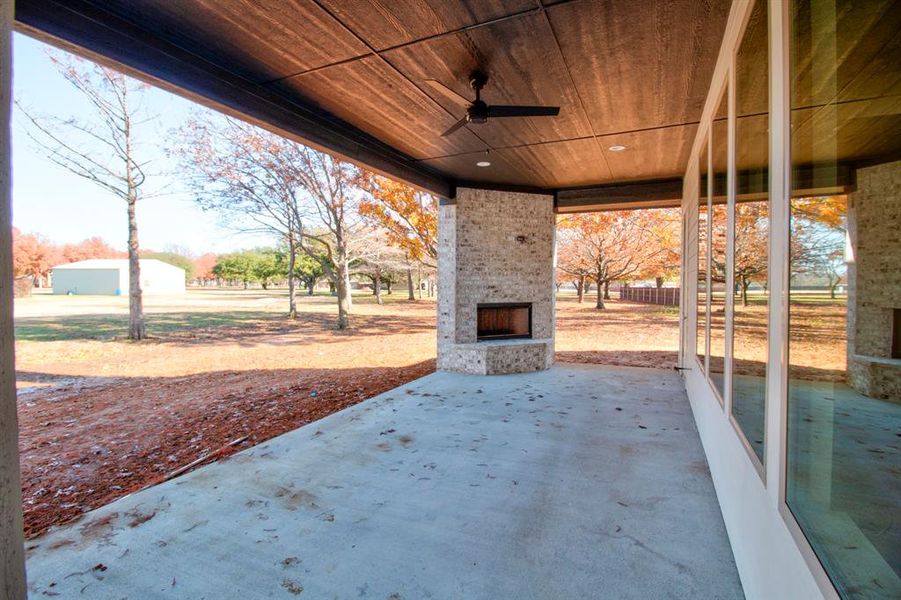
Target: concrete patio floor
578 482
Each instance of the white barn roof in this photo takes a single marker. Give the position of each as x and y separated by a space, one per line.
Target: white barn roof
113 263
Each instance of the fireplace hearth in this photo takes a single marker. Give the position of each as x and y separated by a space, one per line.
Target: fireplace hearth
504 321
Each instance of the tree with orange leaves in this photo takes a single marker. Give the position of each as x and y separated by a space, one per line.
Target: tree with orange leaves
33 256
93 247
664 226
818 238
751 246
572 262
409 217
612 245
203 267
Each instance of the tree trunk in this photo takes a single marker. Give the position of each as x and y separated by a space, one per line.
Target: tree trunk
600 293
388 283
606 290
419 282
410 295
136 327
580 288
343 289
744 292
311 285
292 288
377 288
659 282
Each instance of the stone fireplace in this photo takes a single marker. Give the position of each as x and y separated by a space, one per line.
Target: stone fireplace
496 282
874 283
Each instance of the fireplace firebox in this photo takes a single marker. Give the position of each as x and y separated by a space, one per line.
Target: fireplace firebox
504 321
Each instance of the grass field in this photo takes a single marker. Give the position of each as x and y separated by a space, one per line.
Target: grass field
101 417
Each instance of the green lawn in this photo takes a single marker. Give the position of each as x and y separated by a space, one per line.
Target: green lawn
48 318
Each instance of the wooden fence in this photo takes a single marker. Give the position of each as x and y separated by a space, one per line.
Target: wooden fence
662 296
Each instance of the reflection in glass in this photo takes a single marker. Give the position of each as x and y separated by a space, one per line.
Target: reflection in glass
752 232
702 258
843 477
717 316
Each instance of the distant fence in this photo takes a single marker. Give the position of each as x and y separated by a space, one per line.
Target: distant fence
662 296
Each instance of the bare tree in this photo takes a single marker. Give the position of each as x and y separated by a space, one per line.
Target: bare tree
260 181
381 263
249 177
102 149
334 197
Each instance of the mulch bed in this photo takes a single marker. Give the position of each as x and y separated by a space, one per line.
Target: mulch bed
85 446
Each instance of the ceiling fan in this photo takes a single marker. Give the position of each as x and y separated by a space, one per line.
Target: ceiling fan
477 111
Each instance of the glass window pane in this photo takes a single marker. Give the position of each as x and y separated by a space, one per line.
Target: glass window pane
752 231
844 391
719 143
702 258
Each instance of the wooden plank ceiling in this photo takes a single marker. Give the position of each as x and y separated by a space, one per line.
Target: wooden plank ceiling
623 72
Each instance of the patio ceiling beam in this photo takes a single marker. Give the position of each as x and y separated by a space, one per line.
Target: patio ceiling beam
664 193
85 29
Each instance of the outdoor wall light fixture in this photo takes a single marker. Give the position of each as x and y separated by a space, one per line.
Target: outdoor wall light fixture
616 148
483 163
521 239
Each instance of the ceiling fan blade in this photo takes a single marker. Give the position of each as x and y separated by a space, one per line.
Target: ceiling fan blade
447 92
455 127
523 111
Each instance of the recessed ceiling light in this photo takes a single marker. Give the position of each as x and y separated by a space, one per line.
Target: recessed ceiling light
483 163
616 148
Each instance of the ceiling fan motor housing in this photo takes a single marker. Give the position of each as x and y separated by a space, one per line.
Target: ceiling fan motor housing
477 112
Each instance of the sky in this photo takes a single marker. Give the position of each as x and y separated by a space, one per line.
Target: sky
65 208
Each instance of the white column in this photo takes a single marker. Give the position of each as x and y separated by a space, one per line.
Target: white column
12 555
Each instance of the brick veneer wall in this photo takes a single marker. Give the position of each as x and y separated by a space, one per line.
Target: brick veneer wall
495 247
874 280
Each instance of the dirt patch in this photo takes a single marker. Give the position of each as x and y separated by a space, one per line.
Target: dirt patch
84 450
628 334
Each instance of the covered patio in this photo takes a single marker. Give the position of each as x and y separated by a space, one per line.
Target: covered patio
541 480
574 482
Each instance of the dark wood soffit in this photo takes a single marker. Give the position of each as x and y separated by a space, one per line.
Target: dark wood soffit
640 194
83 28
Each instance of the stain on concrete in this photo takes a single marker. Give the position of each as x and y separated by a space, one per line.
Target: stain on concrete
301 499
100 529
292 586
138 517
700 467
